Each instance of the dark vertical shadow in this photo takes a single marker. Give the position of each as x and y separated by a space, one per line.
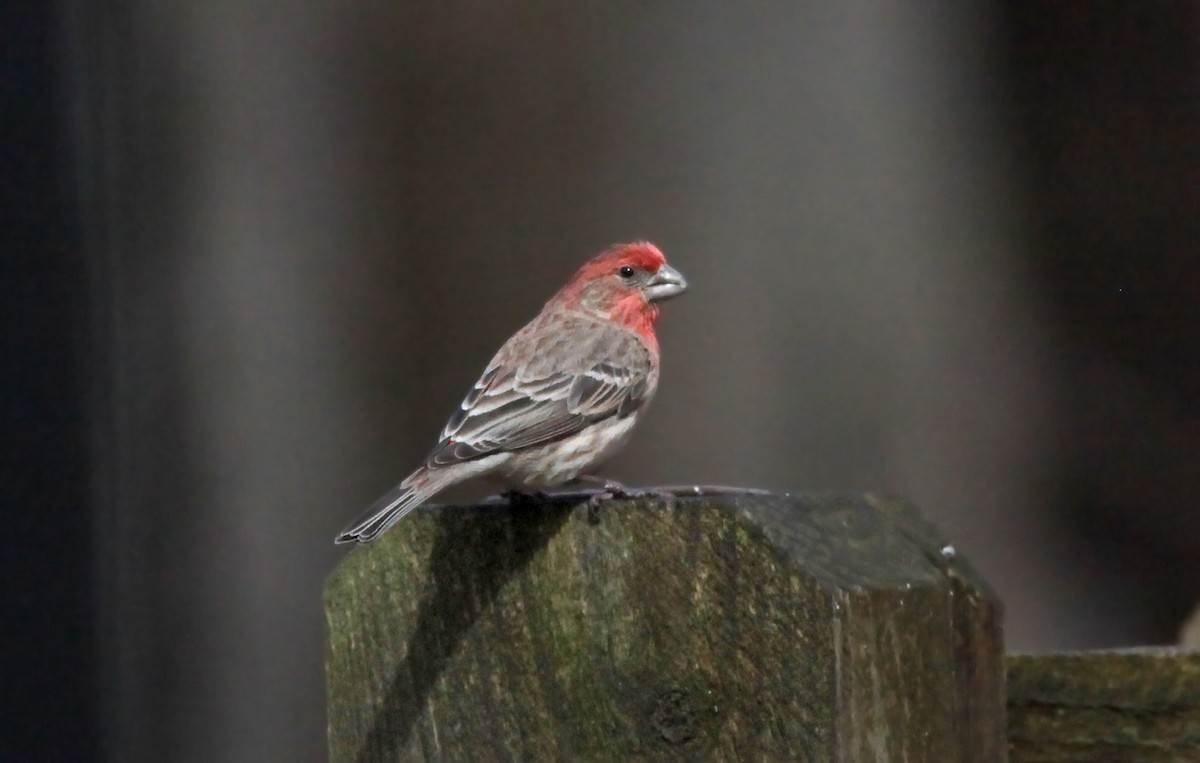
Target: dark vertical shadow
132 113
47 657
476 553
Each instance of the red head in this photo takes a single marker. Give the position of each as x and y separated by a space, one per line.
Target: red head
624 283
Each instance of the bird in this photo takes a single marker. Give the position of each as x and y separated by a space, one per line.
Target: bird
560 396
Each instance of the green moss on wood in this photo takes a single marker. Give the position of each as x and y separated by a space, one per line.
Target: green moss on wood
1134 706
729 627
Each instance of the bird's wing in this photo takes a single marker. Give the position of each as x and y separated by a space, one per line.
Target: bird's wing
561 390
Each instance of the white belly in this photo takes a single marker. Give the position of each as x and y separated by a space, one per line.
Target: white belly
562 461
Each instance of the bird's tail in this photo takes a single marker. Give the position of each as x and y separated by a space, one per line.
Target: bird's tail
391 507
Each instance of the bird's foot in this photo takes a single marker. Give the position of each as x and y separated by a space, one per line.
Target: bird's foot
604 484
657 493
611 489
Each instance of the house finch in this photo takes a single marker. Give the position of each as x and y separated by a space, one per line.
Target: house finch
559 397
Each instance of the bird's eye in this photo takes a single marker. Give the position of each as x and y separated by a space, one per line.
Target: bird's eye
626 272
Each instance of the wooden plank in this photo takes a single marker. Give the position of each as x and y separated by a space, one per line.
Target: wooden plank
1132 706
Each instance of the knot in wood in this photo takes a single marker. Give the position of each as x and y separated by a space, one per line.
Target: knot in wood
673 716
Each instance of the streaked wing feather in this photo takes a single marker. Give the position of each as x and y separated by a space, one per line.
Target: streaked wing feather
470 401
508 413
632 401
600 387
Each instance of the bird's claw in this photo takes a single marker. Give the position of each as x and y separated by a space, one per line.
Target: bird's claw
617 491
593 506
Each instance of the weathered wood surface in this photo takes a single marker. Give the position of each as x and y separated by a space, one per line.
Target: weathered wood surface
1128 706
751 627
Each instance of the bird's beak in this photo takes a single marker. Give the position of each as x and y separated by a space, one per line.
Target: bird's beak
666 283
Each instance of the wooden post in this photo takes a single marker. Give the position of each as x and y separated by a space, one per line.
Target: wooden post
1127 706
730 627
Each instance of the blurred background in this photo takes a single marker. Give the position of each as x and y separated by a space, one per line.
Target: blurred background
254 252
